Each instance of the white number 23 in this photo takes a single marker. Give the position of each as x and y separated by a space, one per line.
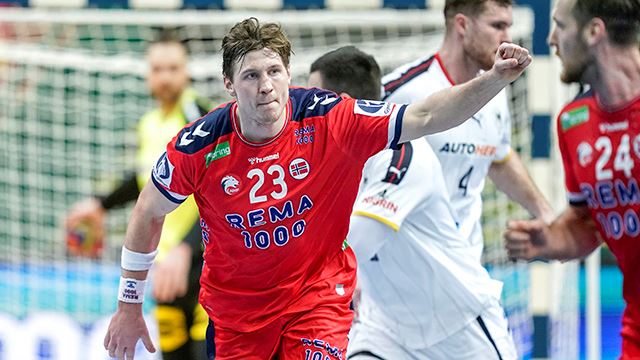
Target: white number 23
277 173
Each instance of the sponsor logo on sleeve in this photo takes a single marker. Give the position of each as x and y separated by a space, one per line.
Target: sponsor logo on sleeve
221 150
372 108
163 171
574 117
380 201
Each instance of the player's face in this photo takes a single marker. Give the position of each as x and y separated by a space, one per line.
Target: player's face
486 32
168 75
261 86
570 47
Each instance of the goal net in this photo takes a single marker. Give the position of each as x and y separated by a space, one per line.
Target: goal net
72 88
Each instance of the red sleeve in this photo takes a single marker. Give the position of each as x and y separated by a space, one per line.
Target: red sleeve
173 173
365 127
574 195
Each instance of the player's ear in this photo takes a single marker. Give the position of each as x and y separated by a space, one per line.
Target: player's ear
594 31
289 73
460 23
228 86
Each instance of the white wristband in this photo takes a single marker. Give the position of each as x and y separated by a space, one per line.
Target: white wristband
131 290
135 261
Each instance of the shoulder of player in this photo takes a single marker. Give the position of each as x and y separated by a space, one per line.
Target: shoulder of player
414 162
419 65
205 131
405 76
312 102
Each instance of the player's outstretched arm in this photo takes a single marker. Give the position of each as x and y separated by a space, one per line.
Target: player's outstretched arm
512 178
143 233
450 107
571 236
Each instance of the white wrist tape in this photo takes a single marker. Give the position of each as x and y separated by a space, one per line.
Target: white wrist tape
135 261
131 290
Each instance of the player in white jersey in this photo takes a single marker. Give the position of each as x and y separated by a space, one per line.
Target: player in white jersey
481 146
423 293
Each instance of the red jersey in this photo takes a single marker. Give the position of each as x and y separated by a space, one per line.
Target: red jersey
599 150
275 214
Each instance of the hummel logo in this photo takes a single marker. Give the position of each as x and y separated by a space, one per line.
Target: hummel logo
327 100
184 140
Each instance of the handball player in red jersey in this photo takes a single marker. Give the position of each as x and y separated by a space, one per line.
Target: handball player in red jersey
275 173
599 137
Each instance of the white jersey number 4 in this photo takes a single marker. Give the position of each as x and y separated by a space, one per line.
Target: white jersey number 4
464 181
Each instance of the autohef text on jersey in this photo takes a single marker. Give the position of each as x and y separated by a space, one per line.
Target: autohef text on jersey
468 148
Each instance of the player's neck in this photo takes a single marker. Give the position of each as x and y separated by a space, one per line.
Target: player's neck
257 131
616 77
459 67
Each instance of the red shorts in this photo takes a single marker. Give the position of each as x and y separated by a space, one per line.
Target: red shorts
319 334
630 349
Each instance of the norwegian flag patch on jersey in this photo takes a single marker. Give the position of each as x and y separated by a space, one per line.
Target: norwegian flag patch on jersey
299 168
